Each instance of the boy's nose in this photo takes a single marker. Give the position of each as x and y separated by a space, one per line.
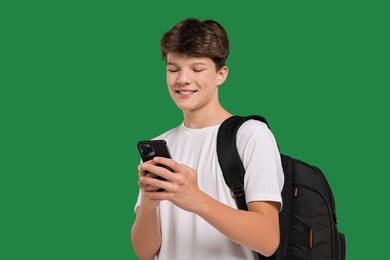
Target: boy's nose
183 79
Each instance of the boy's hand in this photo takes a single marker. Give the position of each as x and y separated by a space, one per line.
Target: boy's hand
145 201
180 184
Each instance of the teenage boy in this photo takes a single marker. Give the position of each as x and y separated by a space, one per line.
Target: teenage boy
195 216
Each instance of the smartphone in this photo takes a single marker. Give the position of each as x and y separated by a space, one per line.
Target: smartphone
149 149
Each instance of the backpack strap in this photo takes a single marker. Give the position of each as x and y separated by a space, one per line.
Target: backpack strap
230 162
229 159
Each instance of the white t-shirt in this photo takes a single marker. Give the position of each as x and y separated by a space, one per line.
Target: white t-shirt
186 235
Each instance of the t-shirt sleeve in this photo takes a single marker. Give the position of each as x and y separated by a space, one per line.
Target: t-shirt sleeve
261 159
138 202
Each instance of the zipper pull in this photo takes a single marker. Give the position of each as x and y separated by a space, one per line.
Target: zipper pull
295 191
311 238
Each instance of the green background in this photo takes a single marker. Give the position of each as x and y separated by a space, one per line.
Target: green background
83 81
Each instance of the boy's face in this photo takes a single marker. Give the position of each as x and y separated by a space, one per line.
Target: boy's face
193 82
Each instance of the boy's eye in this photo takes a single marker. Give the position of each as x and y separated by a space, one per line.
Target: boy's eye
172 69
198 70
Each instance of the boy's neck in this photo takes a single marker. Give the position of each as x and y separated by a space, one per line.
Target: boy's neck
198 119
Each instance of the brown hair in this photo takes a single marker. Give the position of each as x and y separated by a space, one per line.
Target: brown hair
197 38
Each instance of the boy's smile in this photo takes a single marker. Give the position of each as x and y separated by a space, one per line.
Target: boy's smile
184 93
193 81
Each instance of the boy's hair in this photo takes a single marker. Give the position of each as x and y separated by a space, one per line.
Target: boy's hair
197 38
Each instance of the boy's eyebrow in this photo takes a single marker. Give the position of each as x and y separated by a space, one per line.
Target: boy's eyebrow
171 63
199 63
193 64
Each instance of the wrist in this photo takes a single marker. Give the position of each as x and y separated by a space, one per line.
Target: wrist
203 202
148 207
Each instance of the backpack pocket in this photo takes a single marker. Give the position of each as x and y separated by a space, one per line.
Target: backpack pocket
312 235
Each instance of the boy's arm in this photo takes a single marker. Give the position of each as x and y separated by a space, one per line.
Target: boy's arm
145 233
257 229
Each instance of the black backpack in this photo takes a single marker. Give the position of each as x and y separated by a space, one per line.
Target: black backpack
308 223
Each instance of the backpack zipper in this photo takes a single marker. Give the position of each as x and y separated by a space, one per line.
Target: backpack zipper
300 185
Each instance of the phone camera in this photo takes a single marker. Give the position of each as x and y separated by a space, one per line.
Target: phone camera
146 149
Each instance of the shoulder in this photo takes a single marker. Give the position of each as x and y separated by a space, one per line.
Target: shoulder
252 123
254 133
253 127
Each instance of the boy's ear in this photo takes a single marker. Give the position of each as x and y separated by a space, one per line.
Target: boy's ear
222 75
